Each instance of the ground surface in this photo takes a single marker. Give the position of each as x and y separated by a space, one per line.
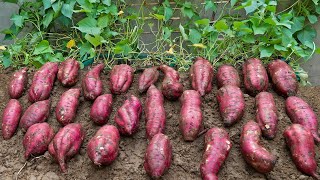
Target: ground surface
129 164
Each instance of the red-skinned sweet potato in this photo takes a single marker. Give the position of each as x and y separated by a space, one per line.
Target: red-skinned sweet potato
201 75
283 77
121 77
37 139
231 104
92 84
253 152
171 87
227 75
158 156
147 78
155 112
42 82
128 116
68 72
101 109
103 147
10 118
18 83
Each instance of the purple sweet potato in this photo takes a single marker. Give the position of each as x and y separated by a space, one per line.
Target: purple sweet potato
171 87
92 84
201 75
217 148
66 108
255 76
266 115
103 147
101 109
253 152
10 118
147 78
38 112
18 83
42 82
190 114
128 116
231 104
121 77
37 139
300 112
68 72
158 157
155 112
227 75
283 77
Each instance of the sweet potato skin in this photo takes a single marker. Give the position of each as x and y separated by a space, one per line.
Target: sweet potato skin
147 78
158 156
227 75
201 74
190 114
101 109
254 154
121 77
171 87
92 84
18 83
103 147
68 72
37 139
231 104
10 118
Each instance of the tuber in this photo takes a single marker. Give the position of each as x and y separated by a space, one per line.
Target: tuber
147 78
18 83
171 87
227 75
121 77
68 72
92 84
101 109
10 118
201 75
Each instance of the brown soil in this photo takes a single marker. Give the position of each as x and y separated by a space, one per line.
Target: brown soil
129 164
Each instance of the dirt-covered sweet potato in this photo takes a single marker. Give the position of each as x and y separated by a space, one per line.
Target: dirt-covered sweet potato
128 116
266 114
147 78
101 109
190 114
157 159
37 112
121 77
10 118
37 139
227 75
253 152
283 77
255 76
201 75
155 112
231 104
42 82
171 87
103 147
300 112
18 83
92 84
68 72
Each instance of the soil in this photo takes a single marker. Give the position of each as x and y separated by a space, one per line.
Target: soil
129 164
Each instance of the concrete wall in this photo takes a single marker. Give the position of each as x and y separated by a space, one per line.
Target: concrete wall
6 10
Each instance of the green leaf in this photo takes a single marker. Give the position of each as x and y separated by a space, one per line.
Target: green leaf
86 48
11 1
209 5
318 51
48 18
251 6
67 10
57 6
233 2
266 51
166 33
103 21
122 47
204 22
6 59
42 48
183 32
298 23
194 36
107 2
307 35
261 29
312 19
186 11
248 39
18 20
159 17
286 37
221 25
89 25
271 20
285 20
94 40
46 4
168 12
318 9
85 5
279 47
315 2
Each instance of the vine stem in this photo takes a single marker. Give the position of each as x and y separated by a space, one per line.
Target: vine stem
288 7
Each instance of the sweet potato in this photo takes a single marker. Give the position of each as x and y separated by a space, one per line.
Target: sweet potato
217 148
171 87
68 72
103 147
227 75
300 112
18 83
158 157
42 82
190 114
101 109
253 152
155 112
121 77
10 118
283 77
128 116
38 112
255 76
266 116
231 104
92 84
66 144
201 75
37 139
147 78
